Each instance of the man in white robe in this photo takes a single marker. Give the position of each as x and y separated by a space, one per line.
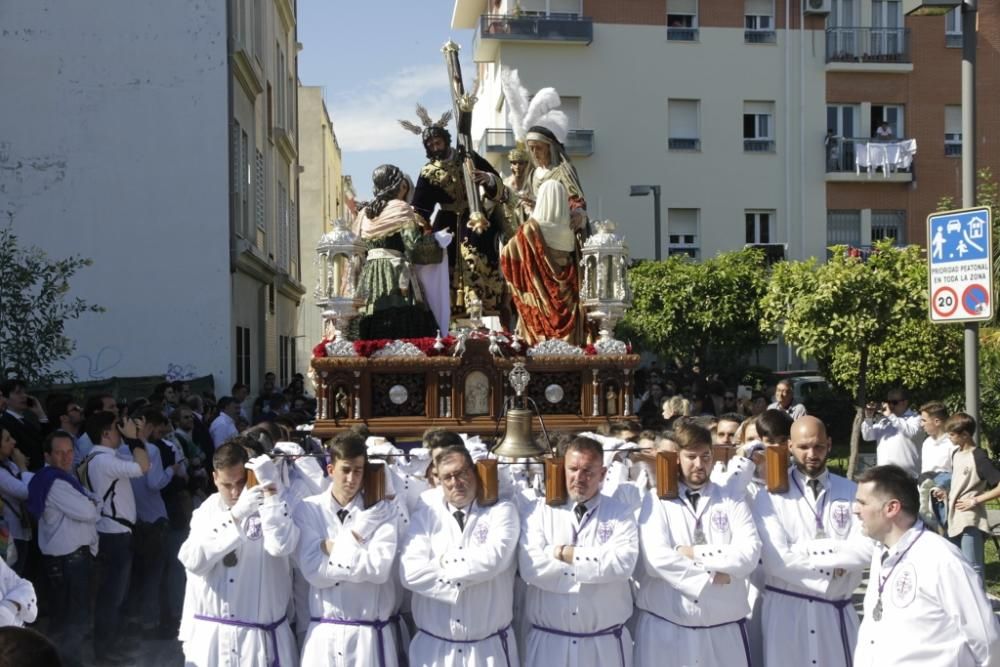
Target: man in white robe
18 604
577 559
346 553
238 562
697 552
925 604
459 562
814 556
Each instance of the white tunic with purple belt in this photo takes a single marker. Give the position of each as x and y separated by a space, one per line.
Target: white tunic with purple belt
239 586
685 617
578 610
463 585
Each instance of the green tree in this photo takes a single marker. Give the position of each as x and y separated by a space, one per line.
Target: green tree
865 324
34 308
708 311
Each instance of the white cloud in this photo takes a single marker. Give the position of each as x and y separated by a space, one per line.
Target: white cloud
367 120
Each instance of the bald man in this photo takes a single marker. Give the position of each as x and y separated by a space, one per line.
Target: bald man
813 556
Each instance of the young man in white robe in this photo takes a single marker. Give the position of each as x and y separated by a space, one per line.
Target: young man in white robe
238 562
577 559
814 556
924 604
459 560
347 554
697 552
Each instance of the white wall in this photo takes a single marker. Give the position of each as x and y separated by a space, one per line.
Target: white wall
113 145
624 79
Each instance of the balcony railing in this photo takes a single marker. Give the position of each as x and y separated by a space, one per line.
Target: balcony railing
952 149
864 155
758 145
551 27
759 36
868 45
953 40
682 34
676 144
579 143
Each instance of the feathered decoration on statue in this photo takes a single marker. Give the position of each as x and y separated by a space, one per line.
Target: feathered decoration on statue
544 111
517 101
426 121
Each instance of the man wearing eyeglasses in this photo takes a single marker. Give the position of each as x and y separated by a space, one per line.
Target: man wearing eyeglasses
577 559
458 559
894 429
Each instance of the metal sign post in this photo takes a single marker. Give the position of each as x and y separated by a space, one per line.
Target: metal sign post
960 281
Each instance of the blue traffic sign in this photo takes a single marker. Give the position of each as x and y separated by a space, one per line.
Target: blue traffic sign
958 237
960 265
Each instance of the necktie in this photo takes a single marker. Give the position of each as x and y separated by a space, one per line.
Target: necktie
460 518
342 515
580 510
816 487
693 497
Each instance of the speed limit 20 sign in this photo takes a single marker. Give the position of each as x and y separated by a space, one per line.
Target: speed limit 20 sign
960 265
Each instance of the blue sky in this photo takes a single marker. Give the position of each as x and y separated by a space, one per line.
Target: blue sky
375 59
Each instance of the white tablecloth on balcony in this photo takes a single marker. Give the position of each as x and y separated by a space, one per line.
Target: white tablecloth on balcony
890 156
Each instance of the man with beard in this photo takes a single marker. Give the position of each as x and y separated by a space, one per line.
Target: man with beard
924 604
813 558
697 552
441 184
577 559
459 561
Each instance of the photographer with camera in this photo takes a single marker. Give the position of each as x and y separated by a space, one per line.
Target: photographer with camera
107 476
894 427
25 420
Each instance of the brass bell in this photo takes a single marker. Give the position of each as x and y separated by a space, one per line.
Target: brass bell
517 442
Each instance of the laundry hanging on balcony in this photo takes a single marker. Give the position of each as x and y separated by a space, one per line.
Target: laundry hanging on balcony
889 156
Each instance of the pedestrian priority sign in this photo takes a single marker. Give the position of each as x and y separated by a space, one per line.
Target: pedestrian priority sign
960 265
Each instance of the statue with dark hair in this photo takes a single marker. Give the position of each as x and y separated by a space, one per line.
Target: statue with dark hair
392 231
441 184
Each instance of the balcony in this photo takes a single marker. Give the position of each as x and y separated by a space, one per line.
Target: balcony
868 160
758 145
495 29
682 34
759 36
579 143
953 148
868 49
953 40
677 144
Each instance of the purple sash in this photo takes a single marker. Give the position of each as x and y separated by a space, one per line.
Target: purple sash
742 623
615 630
839 605
270 628
501 633
378 626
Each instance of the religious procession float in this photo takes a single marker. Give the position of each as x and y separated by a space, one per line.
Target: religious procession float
472 302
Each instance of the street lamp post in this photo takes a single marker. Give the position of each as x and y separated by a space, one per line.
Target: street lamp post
642 191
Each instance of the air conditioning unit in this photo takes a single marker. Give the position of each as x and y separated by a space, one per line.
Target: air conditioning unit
818 6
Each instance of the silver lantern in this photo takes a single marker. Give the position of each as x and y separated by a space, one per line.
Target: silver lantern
340 256
604 289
